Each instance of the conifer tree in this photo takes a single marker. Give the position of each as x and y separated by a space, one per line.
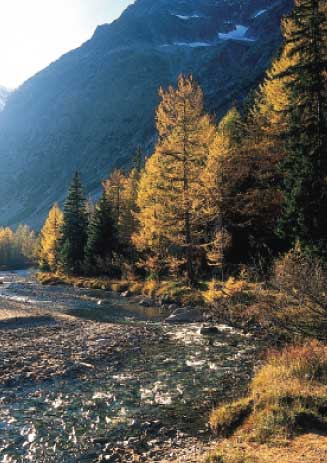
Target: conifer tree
150 237
304 169
180 155
50 240
217 179
101 243
114 188
121 191
129 207
74 229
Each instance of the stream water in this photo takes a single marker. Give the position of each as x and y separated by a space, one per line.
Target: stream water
153 396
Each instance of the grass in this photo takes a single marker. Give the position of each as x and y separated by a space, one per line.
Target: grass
307 448
226 418
168 290
288 396
284 417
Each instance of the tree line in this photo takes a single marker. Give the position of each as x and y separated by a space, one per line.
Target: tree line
213 196
18 248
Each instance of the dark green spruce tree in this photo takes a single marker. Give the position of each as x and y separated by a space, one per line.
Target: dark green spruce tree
74 229
101 243
304 169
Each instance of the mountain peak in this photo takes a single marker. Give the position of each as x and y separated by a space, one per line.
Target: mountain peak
92 108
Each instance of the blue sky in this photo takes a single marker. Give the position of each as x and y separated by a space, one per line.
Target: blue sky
33 33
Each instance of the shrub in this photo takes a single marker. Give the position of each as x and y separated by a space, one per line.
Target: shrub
303 281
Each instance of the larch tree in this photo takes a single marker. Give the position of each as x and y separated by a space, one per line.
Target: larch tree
50 237
7 250
149 238
74 229
121 192
129 209
179 158
263 149
216 181
304 169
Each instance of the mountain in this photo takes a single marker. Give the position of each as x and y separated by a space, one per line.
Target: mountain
4 93
92 108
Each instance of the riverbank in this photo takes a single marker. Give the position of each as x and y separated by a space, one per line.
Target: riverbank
250 306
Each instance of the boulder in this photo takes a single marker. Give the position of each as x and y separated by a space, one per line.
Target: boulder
126 294
185 315
147 302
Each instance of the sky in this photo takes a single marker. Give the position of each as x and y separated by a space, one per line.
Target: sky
34 33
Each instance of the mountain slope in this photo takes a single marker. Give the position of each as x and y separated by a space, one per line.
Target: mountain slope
91 109
4 93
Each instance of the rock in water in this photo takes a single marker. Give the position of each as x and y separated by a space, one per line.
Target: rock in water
126 294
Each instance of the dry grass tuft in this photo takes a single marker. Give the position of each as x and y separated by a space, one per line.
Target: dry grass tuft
225 419
289 396
308 448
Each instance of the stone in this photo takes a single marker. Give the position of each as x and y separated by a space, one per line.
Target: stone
101 440
172 307
126 294
146 302
185 315
209 330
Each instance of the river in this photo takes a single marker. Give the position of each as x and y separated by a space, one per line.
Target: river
113 382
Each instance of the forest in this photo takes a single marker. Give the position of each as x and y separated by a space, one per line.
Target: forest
213 198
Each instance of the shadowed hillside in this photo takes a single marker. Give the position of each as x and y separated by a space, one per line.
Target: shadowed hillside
92 108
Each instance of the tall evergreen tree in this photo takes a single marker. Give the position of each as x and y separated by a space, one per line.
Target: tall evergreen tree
102 239
74 229
304 169
114 188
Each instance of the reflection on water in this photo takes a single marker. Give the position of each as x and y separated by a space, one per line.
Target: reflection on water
97 305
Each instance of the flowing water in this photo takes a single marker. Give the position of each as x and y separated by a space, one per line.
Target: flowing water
155 393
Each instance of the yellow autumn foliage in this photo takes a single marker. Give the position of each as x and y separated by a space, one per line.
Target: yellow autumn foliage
50 238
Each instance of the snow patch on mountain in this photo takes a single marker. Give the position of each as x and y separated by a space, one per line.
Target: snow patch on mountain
259 13
185 18
239 33
4 93
193 44
189 44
